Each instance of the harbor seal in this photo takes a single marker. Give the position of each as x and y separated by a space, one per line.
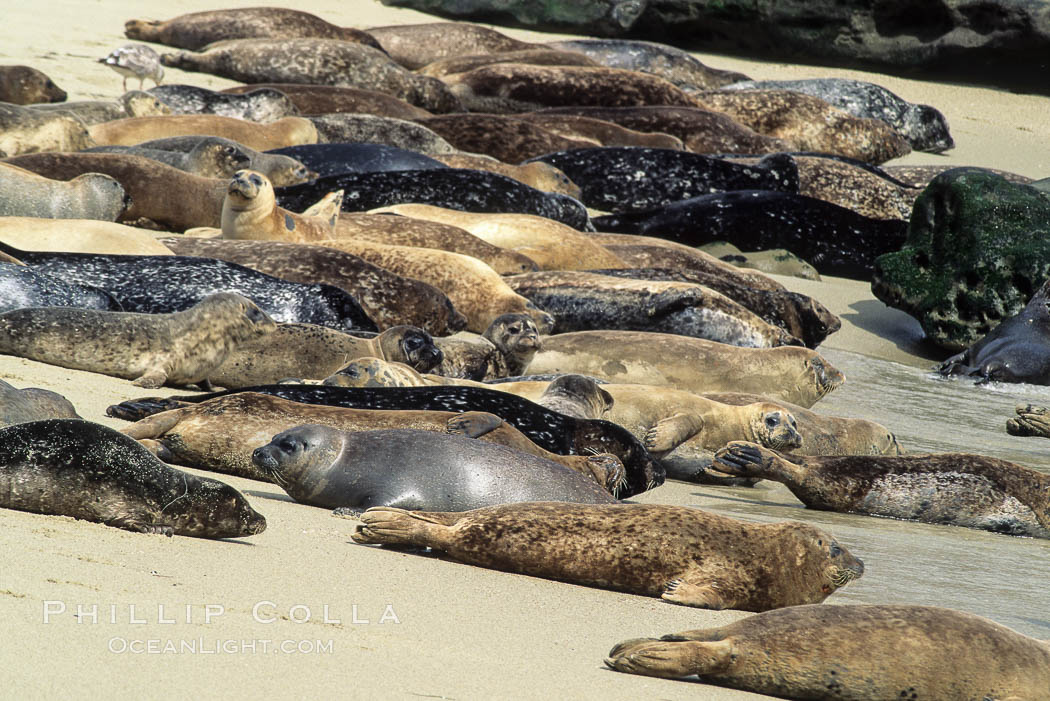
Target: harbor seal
24 85
150 349
534 56
957 489
333 159
863 652
309 352
553 432
92 236
26 130
313 100
316 61
287 131
604 132
501 136
164 284
19 406
71 467
250 211
356 470
24 193
700 559
210 160
281 170
190 435
195 30
133 103
576 395
387 298
504 350
538 175
21 286
361 128
791 373
581 301
416 45
260 105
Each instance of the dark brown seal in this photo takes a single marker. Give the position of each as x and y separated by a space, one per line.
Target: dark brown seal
536 56
416 45
151 349
502 137
958 489
70 467
862 653
24 85
683 555
603 131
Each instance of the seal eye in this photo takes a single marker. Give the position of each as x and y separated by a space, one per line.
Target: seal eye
515 330
413 343
255 180
835 550
288 445
772 421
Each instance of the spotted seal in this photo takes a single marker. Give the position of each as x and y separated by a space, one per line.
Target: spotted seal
581 301
958 489
415 45
18 406
71 467
625 179
835 240
865 652
923 126
316 61
151 349
329 99
388 298
792 373
501 136
21 286
260 105
538 175
504 350
700 559
24 193
164 284
24 85
26 130
534 56
604 132
209 160
250 211
341 127
310 352
554 432
333 159
356 470
287 131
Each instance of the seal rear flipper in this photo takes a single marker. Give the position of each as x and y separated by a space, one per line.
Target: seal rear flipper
1030 421
385 525
674 659
473 424
151 379
138 409
153 426
667 434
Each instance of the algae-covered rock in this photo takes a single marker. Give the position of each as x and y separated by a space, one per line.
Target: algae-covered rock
977 248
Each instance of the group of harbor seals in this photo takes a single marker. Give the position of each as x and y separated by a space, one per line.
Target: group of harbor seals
150 349
71 467
699 559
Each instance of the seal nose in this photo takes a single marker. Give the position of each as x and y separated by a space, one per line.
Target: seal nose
261 458
256 523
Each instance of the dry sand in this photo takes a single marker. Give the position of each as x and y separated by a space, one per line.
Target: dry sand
399 625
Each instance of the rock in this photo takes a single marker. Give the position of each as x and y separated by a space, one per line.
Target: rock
978 246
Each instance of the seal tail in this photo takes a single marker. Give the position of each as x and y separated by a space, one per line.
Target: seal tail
386 525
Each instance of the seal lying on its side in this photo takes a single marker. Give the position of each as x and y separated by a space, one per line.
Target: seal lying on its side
281 170
21 286
70 467
357 470
88 196
19 406
151 349
260 105
958 489
683 555
862 653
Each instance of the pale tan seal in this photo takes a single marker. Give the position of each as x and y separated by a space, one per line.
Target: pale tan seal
220 434
476 290
151 349
24 193
808 123
791 373
537 174
78 236
161 194
25 85
329 99
553 245
310 352
534 56
26 130
863 653
682 555
604 132
416 45
250 211
288 131
504 350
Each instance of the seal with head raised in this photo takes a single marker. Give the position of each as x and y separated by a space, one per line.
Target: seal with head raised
957 489
699 559
356 470
504 350
19 406
71 467
862 653
250 211
151 349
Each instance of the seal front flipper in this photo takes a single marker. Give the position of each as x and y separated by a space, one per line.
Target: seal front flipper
667 434
1030 421
701 593
130 523
473 424
153 426
674 659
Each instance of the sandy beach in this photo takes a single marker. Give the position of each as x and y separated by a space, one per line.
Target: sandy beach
300 610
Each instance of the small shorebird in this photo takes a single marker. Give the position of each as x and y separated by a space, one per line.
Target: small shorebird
136 60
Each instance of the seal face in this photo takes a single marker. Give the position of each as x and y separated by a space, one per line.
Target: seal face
77 468
863 652
356 470
958 489
701 559
23 85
